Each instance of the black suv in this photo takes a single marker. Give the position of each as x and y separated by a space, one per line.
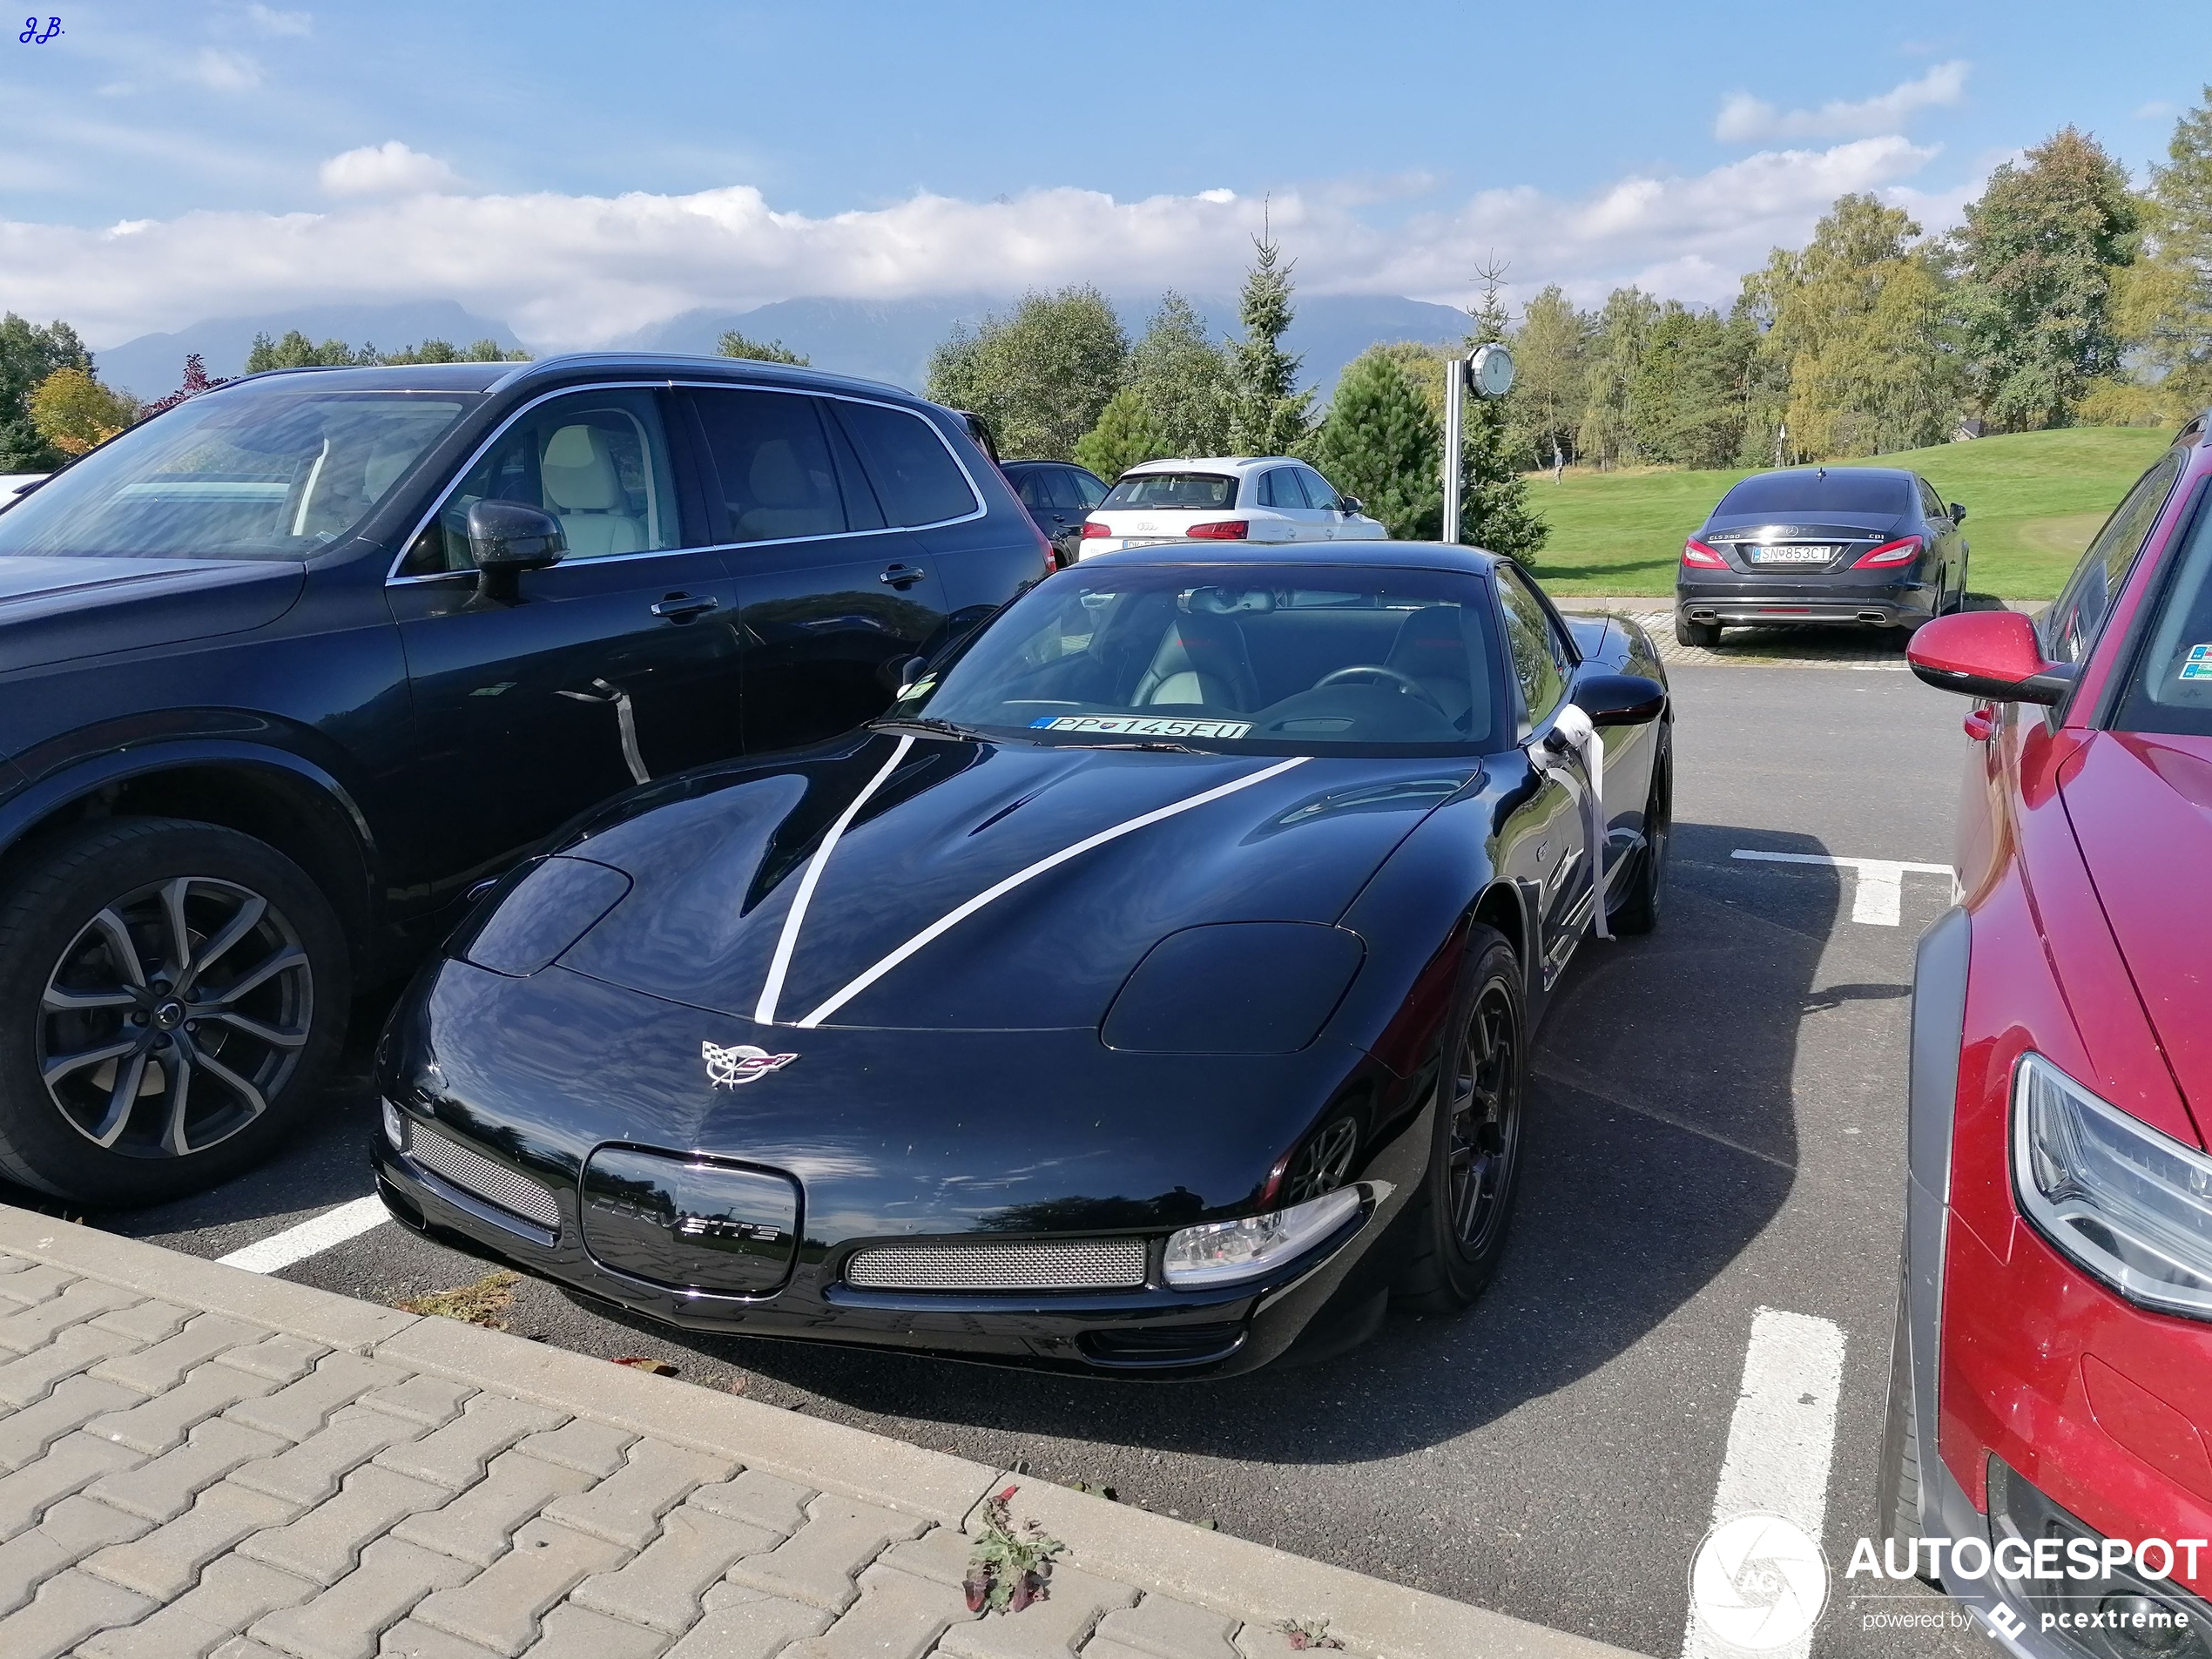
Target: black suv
287 670
1059 496
1872 546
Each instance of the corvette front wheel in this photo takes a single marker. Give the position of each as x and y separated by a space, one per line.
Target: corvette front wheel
1460 1217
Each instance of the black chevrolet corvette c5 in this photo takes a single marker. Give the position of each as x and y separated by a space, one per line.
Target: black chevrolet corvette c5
1155 981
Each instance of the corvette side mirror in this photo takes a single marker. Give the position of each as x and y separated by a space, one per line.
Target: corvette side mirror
1989 654
506 538
1619 699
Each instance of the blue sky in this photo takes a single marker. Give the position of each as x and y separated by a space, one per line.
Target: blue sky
582 170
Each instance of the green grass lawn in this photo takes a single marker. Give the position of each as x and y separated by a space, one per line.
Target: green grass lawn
2034 500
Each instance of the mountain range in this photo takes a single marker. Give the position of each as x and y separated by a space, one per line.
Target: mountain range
887 339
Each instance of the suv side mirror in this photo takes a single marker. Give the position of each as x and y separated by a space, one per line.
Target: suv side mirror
1619 699
1957 513
506 538
1989 654
1352 504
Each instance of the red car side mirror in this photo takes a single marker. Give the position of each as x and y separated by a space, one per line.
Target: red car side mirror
1992 654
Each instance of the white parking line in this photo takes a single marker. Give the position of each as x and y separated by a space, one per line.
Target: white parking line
1878 895
310 1238
1779 1441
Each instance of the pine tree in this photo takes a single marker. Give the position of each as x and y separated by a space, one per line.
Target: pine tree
1268 415
1494 496
1382 443
1124 436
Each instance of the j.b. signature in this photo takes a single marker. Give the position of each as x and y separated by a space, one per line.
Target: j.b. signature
34 36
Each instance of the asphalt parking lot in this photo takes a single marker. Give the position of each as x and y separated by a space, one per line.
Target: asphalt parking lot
1717 1128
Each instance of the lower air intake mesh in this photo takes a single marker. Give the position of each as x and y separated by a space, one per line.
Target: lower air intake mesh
1077 1265
493 1182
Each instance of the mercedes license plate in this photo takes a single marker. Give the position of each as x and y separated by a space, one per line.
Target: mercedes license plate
1798 554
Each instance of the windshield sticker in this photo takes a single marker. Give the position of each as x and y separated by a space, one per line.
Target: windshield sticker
1139 725
2198 664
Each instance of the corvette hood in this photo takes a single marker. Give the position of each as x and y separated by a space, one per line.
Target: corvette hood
980 886
54 609
2141 805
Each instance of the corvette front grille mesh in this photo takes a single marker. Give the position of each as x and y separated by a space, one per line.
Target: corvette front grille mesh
1074 1264
474 1173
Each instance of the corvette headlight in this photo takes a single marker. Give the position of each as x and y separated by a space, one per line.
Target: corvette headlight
1222 1252
2131 1205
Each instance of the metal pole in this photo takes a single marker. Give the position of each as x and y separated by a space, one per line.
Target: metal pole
1455 390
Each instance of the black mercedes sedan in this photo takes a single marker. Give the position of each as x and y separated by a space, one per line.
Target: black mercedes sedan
1869 545
1151 987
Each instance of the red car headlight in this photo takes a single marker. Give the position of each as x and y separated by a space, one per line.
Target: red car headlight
2132 1206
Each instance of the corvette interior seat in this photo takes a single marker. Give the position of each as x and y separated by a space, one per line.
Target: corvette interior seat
1201 659
1432 649
584 491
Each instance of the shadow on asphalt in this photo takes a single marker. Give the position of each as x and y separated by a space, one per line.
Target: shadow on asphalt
1663 1140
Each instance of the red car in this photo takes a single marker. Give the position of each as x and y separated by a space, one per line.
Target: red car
2049 1453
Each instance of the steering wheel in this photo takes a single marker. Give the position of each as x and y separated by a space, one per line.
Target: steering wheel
1405 682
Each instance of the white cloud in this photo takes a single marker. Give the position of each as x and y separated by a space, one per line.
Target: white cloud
1745 119
224 71
387 169
270 20
566 271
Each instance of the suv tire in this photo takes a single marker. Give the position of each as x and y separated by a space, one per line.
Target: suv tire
171 996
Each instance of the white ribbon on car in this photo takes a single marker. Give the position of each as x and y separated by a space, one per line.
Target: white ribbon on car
1573 741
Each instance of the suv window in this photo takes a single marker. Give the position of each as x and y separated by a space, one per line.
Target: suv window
1541 663
915 477
772 464
1280 488
1198 491
2069 627
1089 491
1317 491
596 460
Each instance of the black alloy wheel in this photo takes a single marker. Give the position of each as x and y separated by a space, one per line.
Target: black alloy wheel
169 1021
1461 1217
179 989
1324 1163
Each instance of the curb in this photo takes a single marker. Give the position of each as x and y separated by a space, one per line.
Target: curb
1230 1575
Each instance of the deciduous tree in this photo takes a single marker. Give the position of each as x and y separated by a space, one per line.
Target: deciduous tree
733 344
1544 408
1042 375
74 413
29 354
2037 256
1607 433
1183 379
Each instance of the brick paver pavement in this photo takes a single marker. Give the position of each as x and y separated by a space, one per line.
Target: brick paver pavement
178 1481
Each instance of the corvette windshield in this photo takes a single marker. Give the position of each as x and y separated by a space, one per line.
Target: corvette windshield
260 472
1275 660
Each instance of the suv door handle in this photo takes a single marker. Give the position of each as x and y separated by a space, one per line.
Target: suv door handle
902 576
682 607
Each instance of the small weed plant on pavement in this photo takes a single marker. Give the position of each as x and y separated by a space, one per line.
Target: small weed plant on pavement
1011 1566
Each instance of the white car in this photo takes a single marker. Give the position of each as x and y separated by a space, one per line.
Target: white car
14 483
1226 498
